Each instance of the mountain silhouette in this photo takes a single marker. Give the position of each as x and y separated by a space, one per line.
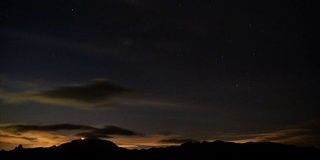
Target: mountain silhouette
88 144
101 149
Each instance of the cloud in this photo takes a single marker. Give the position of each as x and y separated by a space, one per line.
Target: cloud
93 133
55 127
176 141
277 135
98 93
296 136
106 131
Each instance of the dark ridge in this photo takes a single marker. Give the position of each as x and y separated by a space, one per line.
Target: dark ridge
88 144
101 149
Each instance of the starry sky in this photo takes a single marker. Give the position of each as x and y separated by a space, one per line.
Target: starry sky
150 73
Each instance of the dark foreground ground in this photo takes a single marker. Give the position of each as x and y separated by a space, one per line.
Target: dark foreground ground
95 149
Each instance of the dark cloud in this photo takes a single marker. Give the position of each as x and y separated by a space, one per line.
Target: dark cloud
97 91
93 132
107 131
177 141
55 127
98 94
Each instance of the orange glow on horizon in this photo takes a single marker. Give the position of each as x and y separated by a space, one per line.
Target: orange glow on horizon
32 139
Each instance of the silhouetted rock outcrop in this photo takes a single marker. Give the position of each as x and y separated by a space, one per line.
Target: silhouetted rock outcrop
101 149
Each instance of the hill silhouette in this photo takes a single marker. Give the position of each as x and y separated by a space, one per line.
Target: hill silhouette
88 144
102 149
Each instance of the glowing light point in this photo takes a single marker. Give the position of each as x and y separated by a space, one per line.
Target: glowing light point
82 138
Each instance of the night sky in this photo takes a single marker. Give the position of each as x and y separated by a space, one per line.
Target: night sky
149 73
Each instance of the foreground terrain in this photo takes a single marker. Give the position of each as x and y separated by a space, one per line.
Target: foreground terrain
102 149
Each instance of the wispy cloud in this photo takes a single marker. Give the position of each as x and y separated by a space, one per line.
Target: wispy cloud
297 136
